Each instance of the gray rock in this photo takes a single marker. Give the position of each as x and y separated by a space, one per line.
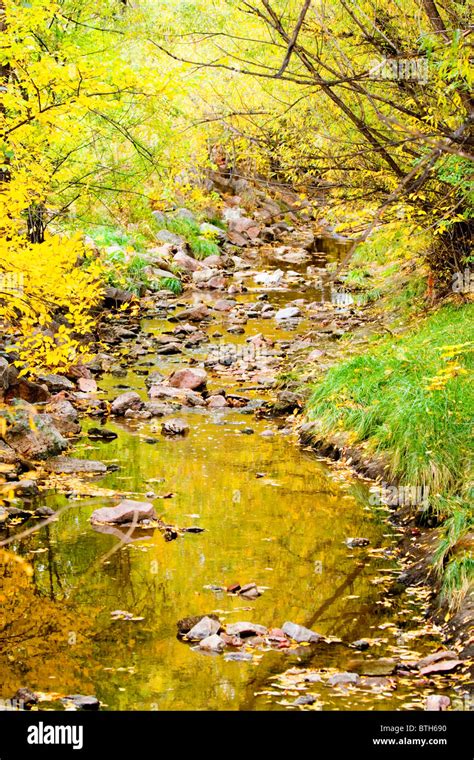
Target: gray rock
165 236
81 702
212 643
64 416
206 627
127 511
182 395
26 489
68 466
128 400
305 699
174 427
32 435
299 633
56 383
353 543
341 679
245 629
290 312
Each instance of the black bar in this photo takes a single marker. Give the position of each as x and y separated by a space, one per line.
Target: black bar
316 734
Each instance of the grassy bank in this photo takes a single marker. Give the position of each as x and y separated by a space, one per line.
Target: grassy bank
410 397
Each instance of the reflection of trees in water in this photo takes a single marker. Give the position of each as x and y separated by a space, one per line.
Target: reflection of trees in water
39 636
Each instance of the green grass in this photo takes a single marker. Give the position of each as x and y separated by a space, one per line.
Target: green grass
201 246
382 398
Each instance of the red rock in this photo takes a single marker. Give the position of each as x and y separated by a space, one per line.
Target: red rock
189 378
216 402
87 385
127 511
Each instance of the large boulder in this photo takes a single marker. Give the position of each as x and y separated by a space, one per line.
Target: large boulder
128 400
127 511
31 435
189 377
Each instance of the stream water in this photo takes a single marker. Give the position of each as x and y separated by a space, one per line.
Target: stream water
272 513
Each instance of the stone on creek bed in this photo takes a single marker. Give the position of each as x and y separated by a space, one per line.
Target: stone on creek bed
301 634
189 378
69 466
128 400
187 624
204 628
127 511
174 427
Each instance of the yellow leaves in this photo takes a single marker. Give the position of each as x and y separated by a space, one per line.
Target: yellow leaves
53 284
453 368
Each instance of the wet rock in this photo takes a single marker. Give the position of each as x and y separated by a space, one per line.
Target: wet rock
216 402
155 409
186 624
33 393
250 591
360 644
82 702
190 378
26 489
247 431
224 304
206 627
245 629
437 702
212 643
290 312
238 657
384 666
196 314
44 512
174 427
4 514
286 403
203 276
343 679
168 349
56 383
300 634
183 395
186 262
128 400
87 385
64 416
354 543
137 414
7 454
26 698
32 435
69 466
127 511
101 434
305 699
439 662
